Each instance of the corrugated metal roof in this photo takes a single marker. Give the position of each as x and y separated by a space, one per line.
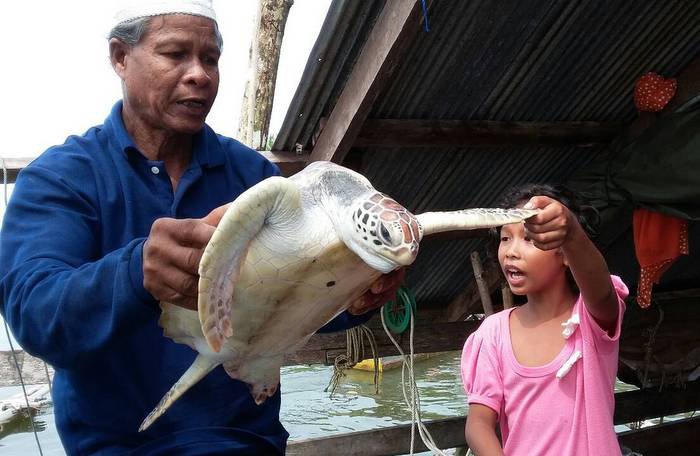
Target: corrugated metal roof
529 60
429 180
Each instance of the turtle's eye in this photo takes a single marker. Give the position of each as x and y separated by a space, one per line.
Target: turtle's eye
384 234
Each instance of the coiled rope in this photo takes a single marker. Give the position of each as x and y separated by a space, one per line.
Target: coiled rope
355 353
408 380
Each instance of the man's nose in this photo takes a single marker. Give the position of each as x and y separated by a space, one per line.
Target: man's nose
197 73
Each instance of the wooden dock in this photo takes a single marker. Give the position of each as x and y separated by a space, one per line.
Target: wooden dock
672 437
17 405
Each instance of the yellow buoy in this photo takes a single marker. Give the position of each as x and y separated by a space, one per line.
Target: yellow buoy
368 365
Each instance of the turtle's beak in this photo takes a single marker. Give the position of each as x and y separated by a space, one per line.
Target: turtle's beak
405 256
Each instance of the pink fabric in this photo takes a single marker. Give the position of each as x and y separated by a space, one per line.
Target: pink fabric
538 413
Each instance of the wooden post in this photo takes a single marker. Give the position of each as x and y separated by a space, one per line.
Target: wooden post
507 296
264 59
481 283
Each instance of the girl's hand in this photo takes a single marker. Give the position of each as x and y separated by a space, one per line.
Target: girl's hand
553 226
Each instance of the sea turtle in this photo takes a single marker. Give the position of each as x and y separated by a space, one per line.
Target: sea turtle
289 255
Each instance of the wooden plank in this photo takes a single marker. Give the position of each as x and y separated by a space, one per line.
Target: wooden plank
289 163
650 403
407 133
675 437
391 36
436 337
384 441
13 166
449 433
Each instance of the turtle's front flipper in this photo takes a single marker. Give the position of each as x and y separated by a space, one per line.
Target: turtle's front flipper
471 219
269 201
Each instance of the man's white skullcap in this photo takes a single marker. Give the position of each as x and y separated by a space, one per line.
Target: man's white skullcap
133 9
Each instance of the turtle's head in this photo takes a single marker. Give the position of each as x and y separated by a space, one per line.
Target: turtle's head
384 234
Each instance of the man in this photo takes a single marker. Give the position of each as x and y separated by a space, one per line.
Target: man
104 226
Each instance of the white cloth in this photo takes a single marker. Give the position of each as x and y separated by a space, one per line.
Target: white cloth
133 9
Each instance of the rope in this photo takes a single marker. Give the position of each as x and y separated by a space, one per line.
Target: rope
414 402
648 355
425 15
354 353
649 347
7 331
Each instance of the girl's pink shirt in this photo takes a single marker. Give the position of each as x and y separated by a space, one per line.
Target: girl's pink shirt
537 412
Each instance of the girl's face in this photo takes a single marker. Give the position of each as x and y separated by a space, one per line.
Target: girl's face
528 269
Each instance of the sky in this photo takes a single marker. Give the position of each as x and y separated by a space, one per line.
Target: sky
57 80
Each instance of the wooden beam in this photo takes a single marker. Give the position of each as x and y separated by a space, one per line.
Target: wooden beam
675 437
288 162
392 34
449 432
428 338
650 403
13 166
407 133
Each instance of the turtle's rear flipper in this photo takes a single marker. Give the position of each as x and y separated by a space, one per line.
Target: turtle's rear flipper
261 374
180 324
199 368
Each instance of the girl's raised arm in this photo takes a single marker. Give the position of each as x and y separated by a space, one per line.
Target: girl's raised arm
557 227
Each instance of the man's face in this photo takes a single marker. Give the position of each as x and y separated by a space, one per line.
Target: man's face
171 76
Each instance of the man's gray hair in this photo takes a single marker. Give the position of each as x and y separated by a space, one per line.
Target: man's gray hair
131 32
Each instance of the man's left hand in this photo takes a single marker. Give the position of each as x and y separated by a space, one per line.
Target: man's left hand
381 291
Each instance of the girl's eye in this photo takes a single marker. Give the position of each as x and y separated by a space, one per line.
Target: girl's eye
504 238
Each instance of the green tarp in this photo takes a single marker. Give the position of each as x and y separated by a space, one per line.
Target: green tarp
659 170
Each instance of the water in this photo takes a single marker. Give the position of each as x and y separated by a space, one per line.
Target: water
308 411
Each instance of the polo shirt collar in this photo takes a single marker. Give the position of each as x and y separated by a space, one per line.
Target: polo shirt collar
207 150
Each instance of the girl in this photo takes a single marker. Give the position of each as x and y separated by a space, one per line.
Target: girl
545 371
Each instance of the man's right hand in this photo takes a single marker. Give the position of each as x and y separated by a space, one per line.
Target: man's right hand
171 258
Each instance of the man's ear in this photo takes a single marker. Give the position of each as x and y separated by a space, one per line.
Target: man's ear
118 50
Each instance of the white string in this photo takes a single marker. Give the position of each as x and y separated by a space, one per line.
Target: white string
9 338
414 402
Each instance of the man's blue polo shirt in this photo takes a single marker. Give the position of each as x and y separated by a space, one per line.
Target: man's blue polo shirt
72 291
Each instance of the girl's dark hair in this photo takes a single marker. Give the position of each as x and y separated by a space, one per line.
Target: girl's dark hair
586 214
